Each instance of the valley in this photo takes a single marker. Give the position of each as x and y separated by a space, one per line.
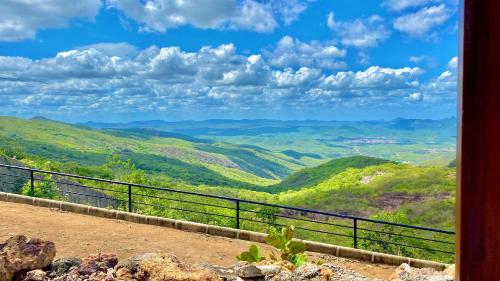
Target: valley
301 176
412 191
415 141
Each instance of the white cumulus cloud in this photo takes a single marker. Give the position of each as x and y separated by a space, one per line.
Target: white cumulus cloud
360 33
375 77
420 23
443 88
415 97
161 15
398 5
21 19
290 52
302 77
93 80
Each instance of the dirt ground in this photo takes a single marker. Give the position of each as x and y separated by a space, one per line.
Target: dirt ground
80 235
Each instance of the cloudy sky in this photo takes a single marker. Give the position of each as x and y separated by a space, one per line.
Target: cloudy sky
122 60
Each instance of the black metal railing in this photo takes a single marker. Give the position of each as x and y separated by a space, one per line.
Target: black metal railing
334 228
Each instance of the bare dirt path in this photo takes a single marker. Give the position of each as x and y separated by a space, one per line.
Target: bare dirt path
80 235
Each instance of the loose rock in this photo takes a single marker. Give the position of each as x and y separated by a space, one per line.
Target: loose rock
406 273
95 264
20 254
249 271
161 267
35 275
269 270
63 265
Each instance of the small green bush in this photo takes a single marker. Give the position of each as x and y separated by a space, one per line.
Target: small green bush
285 248
252 255
41 189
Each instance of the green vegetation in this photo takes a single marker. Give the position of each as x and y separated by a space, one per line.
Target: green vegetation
42 189
252 255
285 248
183 158
429 142
356 185
312 176
381 187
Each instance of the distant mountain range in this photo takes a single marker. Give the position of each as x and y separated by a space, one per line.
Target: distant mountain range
346 167
420 141
263 125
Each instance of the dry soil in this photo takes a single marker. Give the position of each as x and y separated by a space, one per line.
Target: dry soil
80 235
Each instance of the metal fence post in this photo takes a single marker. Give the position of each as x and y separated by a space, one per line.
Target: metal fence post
355 236
268 218
237 214
32 183
130 198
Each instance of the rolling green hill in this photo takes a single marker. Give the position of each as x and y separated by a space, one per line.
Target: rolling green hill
309 177
184 158
357 185
425 195
415 141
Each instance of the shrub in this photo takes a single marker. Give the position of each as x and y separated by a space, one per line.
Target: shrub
42 189
252 255
285 248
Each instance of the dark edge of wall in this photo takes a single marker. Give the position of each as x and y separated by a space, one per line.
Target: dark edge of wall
339 251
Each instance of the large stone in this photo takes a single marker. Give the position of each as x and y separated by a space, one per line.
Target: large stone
269 270
20 254
98 267
308 272
226 273
314 272
406 273
95 264
249 271
161 267
35 275
401 272
63 265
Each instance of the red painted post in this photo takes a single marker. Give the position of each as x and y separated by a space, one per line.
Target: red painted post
478 204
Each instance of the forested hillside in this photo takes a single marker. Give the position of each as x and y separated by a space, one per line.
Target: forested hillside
358 185
184 158
415 141
309 177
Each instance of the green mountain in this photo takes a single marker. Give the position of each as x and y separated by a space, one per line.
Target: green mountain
310 177
179 157
356 185
289 169
425 195
416 141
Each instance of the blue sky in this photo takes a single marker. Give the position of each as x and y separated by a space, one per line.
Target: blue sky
122 60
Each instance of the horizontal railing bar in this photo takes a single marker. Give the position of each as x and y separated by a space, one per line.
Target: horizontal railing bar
179 209
184 201
8 182
299 219
404 245
90 195
81 185
407 236
121 183
235 199
10 175
297 227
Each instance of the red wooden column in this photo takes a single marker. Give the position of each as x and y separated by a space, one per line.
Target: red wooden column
478 204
